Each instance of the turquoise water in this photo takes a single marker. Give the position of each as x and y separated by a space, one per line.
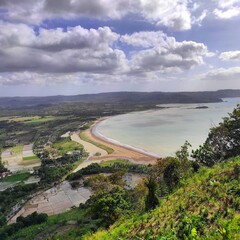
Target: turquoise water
163 131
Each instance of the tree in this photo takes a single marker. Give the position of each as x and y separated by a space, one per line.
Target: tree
172 174
109 205
151 199
222 142
183 153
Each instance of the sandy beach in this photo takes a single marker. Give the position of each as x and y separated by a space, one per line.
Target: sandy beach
121 151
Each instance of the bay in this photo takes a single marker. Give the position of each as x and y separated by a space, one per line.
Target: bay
163 131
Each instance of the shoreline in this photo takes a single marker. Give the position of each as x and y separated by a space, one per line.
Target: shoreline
97 134
123 151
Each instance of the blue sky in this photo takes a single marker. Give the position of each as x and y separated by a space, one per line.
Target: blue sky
50 47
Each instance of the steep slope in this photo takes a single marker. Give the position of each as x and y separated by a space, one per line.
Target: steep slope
207 206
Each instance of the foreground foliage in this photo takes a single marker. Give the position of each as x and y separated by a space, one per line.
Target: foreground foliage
223 141
205 207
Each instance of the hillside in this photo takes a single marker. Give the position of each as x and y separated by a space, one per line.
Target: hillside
207 206
122 98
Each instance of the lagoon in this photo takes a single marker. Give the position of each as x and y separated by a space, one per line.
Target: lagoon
163 131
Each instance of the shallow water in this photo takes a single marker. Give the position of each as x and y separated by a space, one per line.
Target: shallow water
163 131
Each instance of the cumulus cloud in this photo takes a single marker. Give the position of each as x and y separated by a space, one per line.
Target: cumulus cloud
223 74
231 55
74 50
227 9
23 78
147 39
163 53
173 14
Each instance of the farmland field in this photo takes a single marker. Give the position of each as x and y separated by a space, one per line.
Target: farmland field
66 145
17 177
30 158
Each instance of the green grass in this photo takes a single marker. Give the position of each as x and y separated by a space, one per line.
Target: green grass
31 119
24 119
207 206
87 139
31 158
66 145
111 162
17 149
41 120
17 177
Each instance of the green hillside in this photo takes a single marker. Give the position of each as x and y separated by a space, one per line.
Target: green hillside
207 206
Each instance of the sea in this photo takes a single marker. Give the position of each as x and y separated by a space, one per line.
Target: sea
163 131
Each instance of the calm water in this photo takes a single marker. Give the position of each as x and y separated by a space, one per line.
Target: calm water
164 131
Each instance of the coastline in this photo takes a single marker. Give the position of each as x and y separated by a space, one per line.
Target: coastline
121 151
97 134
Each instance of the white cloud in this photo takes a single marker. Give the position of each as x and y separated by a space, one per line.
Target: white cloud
74 50
231 55
147 39
223 74
173 14
227 9
163 53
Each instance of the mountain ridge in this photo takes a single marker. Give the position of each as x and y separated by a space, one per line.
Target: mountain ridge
125 97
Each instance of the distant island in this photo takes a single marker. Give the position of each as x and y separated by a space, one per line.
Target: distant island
201 107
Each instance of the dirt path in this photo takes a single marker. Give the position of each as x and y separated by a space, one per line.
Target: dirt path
89 147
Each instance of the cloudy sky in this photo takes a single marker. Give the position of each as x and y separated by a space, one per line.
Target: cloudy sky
50 47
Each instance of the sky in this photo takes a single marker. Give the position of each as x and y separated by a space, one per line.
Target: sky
61 47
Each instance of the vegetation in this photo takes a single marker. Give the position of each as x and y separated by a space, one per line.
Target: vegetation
84 137
14 197
180 199
223 141
31 158
17 149
205 207
22 222
65 145
108 205
112 162
95 168
70 225
54 170
19 177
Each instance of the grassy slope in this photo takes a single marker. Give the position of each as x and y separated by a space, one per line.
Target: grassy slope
206 207
84 137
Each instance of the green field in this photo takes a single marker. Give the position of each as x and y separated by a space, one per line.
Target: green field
17 149
23 119
17 177
86 139
111 162
31 158
66 145
31 119
41 120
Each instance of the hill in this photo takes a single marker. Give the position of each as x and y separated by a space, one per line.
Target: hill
207 206
122 98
